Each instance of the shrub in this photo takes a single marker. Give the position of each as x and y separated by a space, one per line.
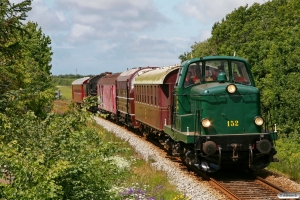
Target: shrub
59 157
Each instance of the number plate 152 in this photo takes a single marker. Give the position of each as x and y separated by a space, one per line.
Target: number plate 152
233 123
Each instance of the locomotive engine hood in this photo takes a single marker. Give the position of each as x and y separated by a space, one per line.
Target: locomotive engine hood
236 111
220 89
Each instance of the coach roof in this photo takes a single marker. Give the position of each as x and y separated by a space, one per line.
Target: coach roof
156 76
80 81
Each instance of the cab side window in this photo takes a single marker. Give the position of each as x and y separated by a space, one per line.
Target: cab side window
193 75
239 73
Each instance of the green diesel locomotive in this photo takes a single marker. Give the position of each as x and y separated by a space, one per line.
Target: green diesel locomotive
216 119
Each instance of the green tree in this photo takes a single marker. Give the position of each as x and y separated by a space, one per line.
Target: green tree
25 62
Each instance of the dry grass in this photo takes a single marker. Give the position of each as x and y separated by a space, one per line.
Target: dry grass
61 106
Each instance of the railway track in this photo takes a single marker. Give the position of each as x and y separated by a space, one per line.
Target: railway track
247 188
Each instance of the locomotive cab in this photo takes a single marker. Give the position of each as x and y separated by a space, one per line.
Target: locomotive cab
216 115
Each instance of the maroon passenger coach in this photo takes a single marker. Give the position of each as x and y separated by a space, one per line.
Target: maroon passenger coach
125 95
107 93
79 89
154 97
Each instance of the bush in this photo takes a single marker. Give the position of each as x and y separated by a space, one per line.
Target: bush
288 154
58 158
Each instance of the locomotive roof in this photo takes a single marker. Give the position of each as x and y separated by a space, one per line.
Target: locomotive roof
80 81
216 57
156 76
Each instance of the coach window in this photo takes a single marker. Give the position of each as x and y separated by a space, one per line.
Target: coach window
136 94
140 93
151 95
147 94
143 94
144 91
155 93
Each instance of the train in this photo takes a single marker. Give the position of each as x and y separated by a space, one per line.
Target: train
206 110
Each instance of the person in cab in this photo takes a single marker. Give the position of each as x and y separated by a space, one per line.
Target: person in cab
188 79
237 78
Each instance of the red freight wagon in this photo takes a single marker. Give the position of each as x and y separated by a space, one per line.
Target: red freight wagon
79 89
106 91
125 95
153 97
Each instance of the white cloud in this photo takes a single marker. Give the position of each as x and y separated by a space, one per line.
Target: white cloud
210 11
109 20
80 33
52 20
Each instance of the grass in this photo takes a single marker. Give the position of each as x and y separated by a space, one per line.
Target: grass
66 92
61 106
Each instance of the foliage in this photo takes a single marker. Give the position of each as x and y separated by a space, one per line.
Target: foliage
11 16
198 50
55 158
288 155
25 62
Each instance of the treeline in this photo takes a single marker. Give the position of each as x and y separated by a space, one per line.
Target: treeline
63 81
267 36
72 76
67 79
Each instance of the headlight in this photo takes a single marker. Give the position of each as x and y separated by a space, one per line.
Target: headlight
231 88
205 123
258 121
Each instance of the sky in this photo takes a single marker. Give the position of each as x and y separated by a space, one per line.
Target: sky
94 36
